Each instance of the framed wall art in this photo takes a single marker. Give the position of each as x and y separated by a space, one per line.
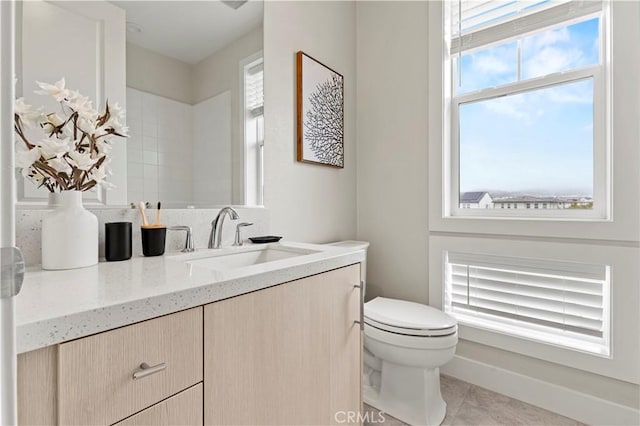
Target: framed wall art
320 98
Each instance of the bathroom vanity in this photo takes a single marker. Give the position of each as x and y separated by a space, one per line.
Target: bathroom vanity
255 335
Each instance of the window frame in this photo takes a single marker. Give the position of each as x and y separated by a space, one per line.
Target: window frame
599 73
621 310
612 241
521 329
252 183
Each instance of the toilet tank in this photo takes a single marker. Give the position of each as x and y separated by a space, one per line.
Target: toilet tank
358 245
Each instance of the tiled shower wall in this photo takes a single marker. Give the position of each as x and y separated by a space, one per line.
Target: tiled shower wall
29 224
178 153
159 149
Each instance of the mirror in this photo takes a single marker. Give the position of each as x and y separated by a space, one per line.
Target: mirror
190 77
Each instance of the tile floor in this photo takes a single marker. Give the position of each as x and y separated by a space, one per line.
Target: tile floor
468 405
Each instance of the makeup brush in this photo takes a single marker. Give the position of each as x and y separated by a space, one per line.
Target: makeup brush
145 224
158 214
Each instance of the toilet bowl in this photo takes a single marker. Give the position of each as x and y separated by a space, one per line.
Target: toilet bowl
409 342
405 344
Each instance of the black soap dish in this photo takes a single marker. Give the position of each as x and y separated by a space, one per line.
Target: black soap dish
265 239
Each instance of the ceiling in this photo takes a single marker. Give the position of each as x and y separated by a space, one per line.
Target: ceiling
189 30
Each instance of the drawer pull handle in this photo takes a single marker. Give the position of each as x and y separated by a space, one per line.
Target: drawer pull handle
147 370
361 322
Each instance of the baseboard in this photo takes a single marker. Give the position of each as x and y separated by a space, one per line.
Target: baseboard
567 402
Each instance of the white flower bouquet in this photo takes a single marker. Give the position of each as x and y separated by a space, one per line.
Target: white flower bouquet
70 152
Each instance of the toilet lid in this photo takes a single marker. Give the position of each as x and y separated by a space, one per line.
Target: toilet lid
400 316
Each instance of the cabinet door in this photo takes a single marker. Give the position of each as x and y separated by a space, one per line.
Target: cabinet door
289 354
184 408
38 387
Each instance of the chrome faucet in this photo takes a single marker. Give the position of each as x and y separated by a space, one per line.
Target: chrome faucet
215 238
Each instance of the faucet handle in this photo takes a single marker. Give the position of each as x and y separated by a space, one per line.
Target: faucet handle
238 241
188 244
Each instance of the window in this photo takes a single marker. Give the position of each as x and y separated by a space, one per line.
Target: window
253 102
528 105
558 232
554 302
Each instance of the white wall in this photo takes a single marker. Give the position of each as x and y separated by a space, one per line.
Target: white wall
392 146
617 391
392 46
161 75
219 73
307 202
212 151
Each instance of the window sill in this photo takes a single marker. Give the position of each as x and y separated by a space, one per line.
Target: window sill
624 230
473 329
521 218
560 355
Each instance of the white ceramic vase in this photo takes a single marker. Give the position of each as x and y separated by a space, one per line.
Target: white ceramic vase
69 234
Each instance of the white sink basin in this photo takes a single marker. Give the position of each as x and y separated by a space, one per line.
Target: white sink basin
253 256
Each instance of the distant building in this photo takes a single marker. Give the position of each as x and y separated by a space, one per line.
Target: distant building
476 200
527 202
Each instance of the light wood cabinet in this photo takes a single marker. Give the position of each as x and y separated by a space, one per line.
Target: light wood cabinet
89 381
289 354
38 387
183 409
95 374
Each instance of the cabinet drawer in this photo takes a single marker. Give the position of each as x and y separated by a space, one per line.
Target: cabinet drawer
96 382
182 409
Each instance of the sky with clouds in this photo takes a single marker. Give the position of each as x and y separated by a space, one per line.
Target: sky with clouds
538 142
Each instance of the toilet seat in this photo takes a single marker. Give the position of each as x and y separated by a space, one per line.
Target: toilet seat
408 318
407 341
411 331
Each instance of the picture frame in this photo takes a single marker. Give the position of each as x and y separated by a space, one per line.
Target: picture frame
320 113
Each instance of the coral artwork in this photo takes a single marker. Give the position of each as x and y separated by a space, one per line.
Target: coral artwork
320 113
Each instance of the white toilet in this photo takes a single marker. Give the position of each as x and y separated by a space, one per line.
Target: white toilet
405 345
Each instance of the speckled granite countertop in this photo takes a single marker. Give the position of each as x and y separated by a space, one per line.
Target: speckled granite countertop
57 306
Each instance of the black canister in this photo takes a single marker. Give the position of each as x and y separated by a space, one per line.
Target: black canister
117 241
153 240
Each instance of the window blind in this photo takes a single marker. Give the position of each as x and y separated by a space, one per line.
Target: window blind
557 297
254 94
477 23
